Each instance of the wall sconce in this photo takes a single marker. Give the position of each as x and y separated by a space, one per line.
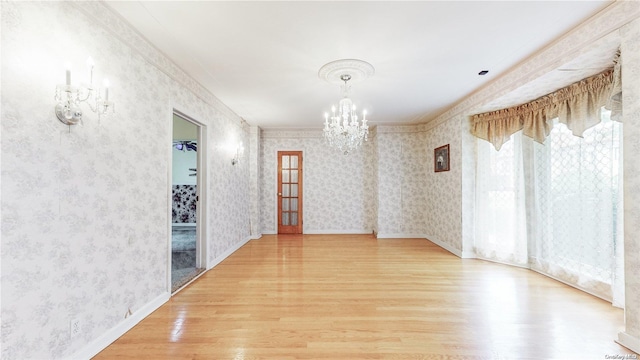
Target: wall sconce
239 151
69 97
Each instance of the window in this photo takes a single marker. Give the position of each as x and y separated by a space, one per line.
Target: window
500 217
578 192
557 205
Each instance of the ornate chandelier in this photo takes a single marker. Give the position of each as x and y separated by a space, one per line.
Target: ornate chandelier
344 132
342 129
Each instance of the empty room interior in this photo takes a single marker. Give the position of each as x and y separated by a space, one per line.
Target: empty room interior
320 180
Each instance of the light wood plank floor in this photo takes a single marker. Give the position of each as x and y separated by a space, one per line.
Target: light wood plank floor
356 297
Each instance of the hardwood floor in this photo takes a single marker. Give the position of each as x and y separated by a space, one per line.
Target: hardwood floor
357 297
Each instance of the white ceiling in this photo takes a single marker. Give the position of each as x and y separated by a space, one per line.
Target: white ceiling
262 58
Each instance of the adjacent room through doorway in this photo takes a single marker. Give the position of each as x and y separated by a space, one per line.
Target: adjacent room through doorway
185 202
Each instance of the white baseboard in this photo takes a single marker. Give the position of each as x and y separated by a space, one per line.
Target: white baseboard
94 347
630 342
323 232
461 254
227 253
458 253
446 246
523 266
583 289
338 232
399 236
468 255
255 236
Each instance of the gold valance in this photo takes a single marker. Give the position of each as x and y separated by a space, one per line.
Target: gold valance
577 105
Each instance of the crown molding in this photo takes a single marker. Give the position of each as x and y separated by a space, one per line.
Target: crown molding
112 22
562 50
291 134
403 129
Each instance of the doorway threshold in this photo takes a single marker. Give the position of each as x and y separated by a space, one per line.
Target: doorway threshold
184 277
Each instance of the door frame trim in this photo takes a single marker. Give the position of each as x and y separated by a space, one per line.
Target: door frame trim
201 192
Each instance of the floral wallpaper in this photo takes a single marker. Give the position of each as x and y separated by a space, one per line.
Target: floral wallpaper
468 185
74 244
388 186
85 225
373 151
390 180
443 214
255 177
630 49
338 190
183 204
227 186
401 179
84 210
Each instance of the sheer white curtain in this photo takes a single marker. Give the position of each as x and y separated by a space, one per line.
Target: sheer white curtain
500 227
556 206
578 217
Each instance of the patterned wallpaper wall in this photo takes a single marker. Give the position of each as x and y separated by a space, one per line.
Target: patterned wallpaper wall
255 178
184 204
338 190
630 49
85 224
413 199
388 186
443 214
227 186
373 137
468 185
85 211
402 167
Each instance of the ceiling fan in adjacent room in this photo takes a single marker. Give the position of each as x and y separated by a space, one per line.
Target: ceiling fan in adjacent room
185 145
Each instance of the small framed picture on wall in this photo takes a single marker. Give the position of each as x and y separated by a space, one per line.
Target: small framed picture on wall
441 158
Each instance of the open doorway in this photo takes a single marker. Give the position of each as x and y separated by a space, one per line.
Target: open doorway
186 247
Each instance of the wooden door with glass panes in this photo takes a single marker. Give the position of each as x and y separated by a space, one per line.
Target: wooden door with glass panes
289 192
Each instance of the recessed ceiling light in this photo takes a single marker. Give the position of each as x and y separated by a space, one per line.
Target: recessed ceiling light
483 72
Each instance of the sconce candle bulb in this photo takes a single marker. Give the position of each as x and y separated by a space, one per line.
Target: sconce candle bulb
106 89
90 65
239 151
68 73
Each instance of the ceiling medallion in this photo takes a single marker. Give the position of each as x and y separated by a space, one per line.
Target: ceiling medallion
357 69
342 129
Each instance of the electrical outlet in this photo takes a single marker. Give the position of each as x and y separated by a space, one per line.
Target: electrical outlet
74 328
